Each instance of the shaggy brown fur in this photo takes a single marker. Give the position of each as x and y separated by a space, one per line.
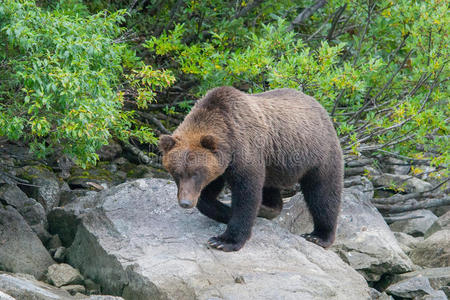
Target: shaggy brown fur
258 144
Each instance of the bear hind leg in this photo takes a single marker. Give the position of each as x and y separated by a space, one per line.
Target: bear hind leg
323 196
272 203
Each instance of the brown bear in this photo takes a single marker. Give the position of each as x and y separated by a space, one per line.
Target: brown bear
258 144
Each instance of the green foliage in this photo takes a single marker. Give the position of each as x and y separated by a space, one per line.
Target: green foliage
62 69
379 67
383 77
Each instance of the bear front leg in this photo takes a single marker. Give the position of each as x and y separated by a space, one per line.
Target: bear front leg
210 206
246 192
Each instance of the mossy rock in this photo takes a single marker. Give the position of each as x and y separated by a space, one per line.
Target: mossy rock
103 173
46 186
144 171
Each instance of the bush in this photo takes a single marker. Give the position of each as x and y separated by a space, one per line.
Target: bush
379 67
62 72
380 70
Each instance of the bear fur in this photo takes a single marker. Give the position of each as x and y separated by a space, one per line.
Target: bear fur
257 144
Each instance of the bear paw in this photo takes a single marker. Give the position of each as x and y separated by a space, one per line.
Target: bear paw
325 243
221 244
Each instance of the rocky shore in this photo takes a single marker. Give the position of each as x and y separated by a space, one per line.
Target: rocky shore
115 231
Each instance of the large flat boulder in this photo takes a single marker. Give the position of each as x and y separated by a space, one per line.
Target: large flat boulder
138 243
21 251
363 239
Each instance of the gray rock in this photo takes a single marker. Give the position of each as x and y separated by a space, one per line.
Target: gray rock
426 171
31 210
411 288
446 290
406 241
54 242
443 222
23 288
64 163
352 181
352 161
64 274
110 151
384 296
433 251
63 222
440 210
438 277
139 244
120 161
396 166
4 296
371 171
20 249
98 177
363 238
353 171
60 254
68 196
436 295
13 195
41 233
406 183
45 188
73 289
415 227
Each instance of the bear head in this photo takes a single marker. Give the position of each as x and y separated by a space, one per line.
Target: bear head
193 161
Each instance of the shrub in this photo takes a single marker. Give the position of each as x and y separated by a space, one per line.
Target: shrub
380 70
62 72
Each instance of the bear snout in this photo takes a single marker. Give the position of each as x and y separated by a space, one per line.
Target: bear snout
185 203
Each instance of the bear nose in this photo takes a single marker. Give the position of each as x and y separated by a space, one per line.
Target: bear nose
184 203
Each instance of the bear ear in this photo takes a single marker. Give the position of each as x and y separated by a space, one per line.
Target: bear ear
208 142
166 142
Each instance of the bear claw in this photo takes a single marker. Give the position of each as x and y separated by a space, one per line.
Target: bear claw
219 244
317 240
